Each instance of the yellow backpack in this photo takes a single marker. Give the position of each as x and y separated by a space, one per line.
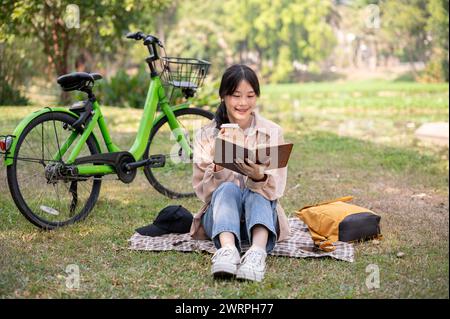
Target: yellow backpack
335 220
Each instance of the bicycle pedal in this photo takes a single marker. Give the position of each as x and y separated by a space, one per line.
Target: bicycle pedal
158 160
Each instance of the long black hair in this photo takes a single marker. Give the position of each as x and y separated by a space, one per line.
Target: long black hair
230 81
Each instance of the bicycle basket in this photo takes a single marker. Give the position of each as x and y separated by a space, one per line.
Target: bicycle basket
184 73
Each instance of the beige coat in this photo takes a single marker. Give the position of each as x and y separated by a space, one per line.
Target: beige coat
205 180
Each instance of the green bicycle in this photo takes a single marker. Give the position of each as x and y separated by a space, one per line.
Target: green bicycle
54 160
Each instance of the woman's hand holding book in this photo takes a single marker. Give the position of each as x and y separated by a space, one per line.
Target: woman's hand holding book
252 170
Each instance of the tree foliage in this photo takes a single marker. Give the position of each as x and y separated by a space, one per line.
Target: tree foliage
279 38
438 28
63 28
269 35
280 32
419 30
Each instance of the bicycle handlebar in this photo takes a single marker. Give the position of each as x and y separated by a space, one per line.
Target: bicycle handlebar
135 35
150 42
148 38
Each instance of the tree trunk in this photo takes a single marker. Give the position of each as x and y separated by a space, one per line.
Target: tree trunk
411 63
61 68
61 44
55 38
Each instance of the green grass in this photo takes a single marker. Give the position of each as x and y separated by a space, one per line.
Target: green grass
382 169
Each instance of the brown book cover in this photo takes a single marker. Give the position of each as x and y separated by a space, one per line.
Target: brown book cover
226 152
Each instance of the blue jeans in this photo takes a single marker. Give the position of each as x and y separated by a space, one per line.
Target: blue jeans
237 210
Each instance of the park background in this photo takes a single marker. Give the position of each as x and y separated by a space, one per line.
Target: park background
360 87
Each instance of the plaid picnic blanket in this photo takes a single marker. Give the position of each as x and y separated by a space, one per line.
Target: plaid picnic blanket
299 245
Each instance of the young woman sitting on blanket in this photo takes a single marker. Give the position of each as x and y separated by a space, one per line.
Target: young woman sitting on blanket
239 208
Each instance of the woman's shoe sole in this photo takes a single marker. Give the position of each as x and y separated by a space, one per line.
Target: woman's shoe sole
223 270
247 275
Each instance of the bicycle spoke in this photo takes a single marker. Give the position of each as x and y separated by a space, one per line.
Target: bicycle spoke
176 175
51 145
48 146
42 138
32 148
57 142
38 194
44 145
41 195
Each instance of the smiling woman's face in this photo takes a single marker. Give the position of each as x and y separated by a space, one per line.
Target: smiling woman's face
241 103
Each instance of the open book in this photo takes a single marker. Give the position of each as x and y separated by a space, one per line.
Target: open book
227 152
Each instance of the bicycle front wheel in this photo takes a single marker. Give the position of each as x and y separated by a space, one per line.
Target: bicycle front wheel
35 180
174 179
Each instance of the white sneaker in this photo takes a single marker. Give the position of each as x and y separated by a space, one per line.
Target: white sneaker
225 262
253 265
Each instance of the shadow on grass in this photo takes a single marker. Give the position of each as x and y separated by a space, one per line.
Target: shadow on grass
323 164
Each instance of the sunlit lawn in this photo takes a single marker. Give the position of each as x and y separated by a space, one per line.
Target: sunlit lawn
349 139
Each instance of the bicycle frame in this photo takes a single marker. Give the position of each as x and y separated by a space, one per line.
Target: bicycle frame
155 95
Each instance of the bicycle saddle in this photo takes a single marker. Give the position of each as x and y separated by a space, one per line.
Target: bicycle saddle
77 80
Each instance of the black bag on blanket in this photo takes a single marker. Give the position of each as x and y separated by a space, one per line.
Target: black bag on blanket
171 219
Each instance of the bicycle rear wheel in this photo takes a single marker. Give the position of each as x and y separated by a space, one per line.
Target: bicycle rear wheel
174 179
45 198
